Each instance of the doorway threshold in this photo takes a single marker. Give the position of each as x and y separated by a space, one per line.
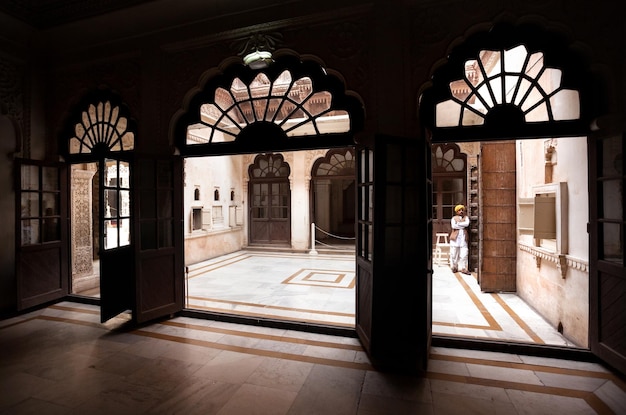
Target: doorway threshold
271 323
508 347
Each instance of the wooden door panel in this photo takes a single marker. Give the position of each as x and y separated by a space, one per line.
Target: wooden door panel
41 276
613 323
607 245
393 315
269 214
117 263
157 298
279 231
364 246
42 263
259 231
498 271
364 302
159 280
117 276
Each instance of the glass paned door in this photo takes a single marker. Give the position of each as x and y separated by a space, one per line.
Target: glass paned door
117 260
116 199
41 263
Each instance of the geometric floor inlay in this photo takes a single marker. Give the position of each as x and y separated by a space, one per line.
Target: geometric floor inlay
322 278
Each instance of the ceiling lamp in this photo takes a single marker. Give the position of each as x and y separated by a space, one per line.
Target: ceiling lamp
256 49
258 59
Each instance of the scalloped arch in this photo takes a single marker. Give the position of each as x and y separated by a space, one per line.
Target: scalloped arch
234 111
336 162
99 124
511 81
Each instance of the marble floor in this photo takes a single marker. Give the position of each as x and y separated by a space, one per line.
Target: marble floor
62 360
320 289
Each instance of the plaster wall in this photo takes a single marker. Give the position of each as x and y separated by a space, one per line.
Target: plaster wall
559 294
211 176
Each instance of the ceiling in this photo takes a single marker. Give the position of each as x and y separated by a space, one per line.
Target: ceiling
43 14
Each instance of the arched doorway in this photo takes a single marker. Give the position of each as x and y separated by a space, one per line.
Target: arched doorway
269 201
271 123
98 143
449 184
334 198
522 83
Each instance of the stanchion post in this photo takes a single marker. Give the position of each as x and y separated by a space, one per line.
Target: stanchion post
312 251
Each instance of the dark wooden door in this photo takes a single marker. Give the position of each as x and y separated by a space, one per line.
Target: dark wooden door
448 191
270 207
607 274
449 176
42 267
498 170
365 245
393 305
117 268
159 256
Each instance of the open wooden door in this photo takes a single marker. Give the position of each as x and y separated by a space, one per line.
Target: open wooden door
498 187
607 273
41 232
116 238
159 251
394 253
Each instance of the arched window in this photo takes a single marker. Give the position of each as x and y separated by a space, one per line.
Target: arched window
100 124
511 78
289 105
511 82
340 162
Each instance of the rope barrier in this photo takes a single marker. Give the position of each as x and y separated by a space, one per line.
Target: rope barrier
335 236
315 242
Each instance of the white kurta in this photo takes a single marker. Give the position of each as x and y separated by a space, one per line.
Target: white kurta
458 248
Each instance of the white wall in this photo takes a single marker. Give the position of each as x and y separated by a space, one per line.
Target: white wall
560 296
223 173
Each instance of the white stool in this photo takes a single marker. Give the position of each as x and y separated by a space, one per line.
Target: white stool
442 248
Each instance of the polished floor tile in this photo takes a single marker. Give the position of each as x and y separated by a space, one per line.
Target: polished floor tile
320 289
62 360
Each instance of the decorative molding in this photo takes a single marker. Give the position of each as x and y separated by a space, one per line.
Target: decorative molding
12 95
562 262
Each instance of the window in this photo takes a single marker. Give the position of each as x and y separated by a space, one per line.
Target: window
40 215
217 216
544 217
102 125
116 213
292 104
513 78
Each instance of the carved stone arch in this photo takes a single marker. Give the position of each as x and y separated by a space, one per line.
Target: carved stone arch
493 82
336 162
269 165
293 104
312 157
